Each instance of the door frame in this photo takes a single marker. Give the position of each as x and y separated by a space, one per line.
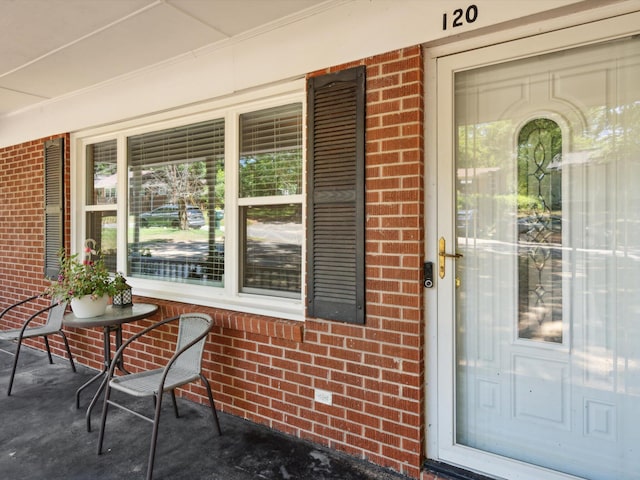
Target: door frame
592 26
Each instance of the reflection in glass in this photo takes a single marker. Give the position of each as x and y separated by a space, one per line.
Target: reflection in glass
271 152
270 166
101 170
102 227
539 223
547 168
176 204
273 249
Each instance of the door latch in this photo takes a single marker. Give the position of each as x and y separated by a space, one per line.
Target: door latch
442 255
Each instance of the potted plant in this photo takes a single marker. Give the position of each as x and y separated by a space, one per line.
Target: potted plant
86 284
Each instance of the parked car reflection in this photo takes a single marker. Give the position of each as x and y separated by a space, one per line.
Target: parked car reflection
169 216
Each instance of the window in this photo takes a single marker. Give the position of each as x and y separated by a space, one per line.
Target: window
102 183
270 174
205 207
540 231
176 189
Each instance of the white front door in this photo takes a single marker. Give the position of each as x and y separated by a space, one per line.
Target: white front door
539 317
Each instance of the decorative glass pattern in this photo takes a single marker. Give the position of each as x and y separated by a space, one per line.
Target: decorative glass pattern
539 226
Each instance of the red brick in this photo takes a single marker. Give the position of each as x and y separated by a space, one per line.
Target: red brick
266 369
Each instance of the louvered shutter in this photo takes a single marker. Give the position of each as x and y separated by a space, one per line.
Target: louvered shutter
336 207
53 204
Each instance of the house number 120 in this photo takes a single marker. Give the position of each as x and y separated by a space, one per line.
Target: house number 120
460 16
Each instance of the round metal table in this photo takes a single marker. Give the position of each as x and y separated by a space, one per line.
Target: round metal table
111 321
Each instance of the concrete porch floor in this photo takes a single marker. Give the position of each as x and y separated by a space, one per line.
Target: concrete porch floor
44 436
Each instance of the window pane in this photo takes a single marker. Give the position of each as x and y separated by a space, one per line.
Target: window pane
540 231
176 203
271 152
102 227
272 249
101 173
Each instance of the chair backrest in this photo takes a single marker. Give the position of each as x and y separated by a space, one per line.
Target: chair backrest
55 314
192 325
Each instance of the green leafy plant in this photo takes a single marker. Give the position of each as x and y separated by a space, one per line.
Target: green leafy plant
120 283
79 278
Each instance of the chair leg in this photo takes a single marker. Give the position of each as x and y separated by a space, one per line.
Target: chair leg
103 418
213 407
15 364
66 344
46 343
175 404
154 437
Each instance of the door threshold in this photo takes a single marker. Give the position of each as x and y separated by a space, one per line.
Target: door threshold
451 472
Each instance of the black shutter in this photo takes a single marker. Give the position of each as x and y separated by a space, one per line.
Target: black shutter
53 205
336 207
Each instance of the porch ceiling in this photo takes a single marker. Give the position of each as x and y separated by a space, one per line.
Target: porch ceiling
53 48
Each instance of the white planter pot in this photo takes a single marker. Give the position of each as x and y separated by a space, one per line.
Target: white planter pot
86 307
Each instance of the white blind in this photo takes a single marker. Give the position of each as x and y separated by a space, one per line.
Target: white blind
271 151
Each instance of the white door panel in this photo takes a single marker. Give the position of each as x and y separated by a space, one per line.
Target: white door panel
538 188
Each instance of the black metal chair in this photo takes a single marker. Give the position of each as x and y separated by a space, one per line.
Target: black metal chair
185 366
52 325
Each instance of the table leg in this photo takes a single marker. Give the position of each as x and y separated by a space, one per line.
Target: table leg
120 364
93 379
106 340
106 345
107 362
94 400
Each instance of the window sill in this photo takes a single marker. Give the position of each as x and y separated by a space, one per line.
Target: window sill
282 329
217 298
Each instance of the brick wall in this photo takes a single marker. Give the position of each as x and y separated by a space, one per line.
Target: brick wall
22 228
378 369
265 369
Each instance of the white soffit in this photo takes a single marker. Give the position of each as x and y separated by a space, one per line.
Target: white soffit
52 48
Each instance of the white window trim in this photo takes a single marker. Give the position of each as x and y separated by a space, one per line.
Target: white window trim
229 108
